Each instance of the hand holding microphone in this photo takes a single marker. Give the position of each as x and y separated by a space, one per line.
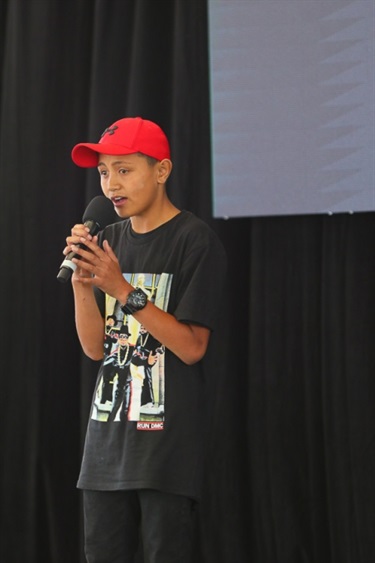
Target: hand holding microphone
98 214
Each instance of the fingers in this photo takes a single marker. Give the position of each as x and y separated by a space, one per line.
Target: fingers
99 267
108 250
87 251
100 271
91 244
92 258
77 232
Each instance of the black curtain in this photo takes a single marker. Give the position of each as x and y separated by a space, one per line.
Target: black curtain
290 463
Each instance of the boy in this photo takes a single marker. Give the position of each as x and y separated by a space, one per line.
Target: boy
164 269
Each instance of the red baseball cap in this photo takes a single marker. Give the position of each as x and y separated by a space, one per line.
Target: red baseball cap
125 136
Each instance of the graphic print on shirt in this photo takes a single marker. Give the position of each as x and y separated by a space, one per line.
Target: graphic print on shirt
131 382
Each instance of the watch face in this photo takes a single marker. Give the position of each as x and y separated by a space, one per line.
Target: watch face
137 298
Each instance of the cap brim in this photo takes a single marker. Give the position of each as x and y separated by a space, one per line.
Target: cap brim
86 154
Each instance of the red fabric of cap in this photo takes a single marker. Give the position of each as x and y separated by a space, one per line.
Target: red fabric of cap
126 136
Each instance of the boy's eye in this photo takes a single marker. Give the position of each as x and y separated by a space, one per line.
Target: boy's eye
121 171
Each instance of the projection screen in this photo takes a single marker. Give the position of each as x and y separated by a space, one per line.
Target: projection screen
292 106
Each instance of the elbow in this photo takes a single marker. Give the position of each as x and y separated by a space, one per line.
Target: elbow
196 351
191 360
194 356
93 354
94 357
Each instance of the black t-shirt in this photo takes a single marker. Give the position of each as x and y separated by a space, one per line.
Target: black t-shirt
181 265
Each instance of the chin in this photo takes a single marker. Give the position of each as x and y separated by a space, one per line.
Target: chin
122 213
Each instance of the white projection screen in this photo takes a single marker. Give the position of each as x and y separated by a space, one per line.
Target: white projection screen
292 88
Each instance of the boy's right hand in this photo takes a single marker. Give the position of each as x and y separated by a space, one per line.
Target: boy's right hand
74 238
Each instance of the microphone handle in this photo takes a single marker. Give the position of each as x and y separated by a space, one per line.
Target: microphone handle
67 266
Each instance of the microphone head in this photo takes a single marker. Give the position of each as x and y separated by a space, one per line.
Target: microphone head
100 210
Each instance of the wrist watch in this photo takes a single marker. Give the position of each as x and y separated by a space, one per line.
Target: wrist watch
137 300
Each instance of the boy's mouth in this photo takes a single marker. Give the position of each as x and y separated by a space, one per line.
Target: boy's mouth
118 199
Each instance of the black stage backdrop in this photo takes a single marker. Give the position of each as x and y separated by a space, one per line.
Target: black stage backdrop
290 473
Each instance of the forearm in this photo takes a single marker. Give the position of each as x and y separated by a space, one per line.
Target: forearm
89 322
188 342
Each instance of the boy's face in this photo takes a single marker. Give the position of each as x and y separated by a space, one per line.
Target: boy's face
131 182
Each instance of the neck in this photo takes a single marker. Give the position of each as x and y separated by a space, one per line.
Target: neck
145 224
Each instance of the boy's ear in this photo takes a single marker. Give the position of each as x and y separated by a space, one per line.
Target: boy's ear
164 170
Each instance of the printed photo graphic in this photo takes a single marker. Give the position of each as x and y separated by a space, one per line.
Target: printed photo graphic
131 380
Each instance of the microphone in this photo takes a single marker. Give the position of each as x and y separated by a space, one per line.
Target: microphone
98 214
